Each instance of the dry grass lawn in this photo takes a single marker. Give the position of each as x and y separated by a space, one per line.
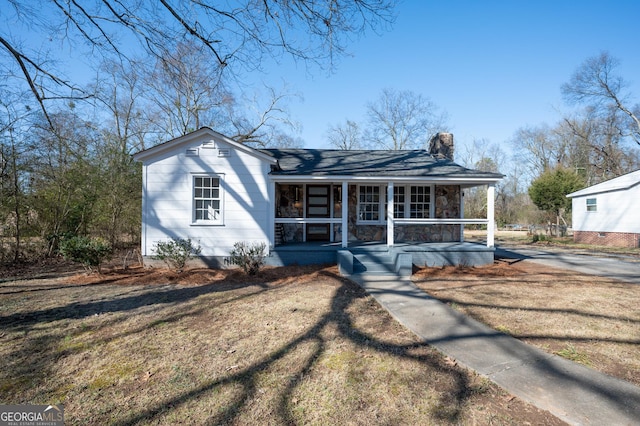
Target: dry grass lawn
292 346
588 319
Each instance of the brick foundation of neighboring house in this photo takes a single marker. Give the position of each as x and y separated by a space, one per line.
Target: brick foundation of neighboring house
613 239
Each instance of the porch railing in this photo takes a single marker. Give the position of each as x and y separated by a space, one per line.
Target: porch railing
398 222
302 220
443 221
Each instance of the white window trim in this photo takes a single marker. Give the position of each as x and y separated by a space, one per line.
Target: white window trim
594 205
209 222
383 201
407 201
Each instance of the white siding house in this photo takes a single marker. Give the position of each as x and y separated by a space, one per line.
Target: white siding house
305 205
205 187
608 213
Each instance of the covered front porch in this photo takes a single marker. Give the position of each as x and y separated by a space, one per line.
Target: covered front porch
395 213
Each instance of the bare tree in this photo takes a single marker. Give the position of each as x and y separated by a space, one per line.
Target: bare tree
187 90
489 157
403 120
189 94
63 177
538 147
594 147
239 35
597 85
264 120
345 135
483 155
13 174
119 92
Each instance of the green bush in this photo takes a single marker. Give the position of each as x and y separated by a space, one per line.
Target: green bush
248 256
91 252
176 252
540 237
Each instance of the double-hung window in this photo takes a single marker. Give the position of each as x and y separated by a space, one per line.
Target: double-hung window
409 201
592 204
207 200
420 202
369 203
398 202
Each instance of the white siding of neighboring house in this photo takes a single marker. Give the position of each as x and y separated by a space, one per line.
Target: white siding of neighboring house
617 211
168 198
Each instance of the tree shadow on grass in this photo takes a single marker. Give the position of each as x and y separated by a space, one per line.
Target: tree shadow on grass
40 335
37 357
343 321
155 295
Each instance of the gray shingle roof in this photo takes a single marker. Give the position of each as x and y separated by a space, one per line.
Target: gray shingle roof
369 163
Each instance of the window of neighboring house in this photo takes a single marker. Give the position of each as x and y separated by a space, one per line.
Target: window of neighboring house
420 202
592 205
207 200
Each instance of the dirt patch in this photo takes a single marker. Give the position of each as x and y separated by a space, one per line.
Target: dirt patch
588 319
292 345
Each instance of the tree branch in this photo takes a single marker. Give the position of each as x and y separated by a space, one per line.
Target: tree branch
194 32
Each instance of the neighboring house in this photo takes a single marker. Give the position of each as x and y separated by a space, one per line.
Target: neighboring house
608 213
307 204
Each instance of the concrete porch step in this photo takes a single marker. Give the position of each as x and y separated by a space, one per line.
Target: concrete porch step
374 263
377 264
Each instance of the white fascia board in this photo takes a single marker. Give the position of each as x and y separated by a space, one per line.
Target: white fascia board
593 190
435 180
171 144
197 135
619 183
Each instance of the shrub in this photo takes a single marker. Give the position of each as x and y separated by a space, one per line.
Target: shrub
539 237
91 252
249 256
176 252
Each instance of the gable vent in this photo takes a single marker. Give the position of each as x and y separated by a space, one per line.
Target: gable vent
192 152
226 152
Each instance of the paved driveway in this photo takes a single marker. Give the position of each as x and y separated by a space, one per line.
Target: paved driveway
620 267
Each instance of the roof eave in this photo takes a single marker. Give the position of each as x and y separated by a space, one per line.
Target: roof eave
350 178
157 150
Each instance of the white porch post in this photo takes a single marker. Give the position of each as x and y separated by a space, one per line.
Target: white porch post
345 214
462 214
491 191
390 235
271 215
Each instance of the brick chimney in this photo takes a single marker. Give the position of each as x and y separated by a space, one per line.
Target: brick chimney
441 146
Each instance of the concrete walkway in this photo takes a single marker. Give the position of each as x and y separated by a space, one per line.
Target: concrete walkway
572 392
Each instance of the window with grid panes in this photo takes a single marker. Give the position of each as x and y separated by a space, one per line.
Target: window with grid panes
369 203
420 202
398 202
207 200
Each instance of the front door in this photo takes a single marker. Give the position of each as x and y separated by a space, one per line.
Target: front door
318 205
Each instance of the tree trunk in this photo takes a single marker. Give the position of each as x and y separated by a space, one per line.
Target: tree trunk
16 190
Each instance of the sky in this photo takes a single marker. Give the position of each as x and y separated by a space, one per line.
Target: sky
493 66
